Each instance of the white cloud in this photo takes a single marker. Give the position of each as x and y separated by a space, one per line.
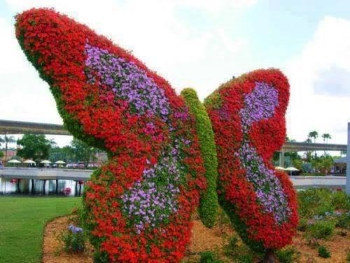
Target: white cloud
153 31
310 108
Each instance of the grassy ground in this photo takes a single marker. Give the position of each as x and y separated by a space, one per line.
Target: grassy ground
22 220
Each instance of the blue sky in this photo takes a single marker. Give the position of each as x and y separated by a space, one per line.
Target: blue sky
203 43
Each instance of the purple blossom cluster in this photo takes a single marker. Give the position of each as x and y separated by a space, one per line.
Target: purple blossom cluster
127 81
74 229
267 187
260 104
153 199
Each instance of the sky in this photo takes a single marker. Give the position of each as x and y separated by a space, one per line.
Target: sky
202 44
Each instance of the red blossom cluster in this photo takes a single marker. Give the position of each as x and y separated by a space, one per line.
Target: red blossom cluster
55 45
238 195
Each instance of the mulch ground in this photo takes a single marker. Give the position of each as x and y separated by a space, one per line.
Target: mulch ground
202 239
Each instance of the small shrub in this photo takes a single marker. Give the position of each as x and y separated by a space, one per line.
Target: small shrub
340 200
248 258
303 223
74 239
321 229
287 255
238 251
314 202
343 221
209 257
323 252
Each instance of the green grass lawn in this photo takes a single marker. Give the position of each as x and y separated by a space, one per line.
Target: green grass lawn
22 221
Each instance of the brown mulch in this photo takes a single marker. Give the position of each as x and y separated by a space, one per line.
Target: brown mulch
202 239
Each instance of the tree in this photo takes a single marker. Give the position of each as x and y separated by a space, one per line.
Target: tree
34 146
326 137
313 134
308 140
83 152
7 140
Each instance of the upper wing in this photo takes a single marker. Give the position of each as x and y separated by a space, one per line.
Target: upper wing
105 96
139 204
247 115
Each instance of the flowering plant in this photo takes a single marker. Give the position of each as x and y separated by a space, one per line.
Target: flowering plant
138 205
74 239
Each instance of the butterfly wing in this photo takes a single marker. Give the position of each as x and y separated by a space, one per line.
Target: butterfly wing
248 118
138 205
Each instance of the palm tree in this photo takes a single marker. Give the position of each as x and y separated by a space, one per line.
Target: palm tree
326 137
308 140
313 134
7 140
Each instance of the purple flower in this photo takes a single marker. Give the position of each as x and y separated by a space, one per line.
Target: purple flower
260 104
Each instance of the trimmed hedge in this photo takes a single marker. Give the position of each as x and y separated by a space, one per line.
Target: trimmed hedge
209 205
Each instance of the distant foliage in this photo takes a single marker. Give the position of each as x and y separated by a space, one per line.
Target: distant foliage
208 208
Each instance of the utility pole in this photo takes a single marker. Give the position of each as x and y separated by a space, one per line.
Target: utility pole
348 163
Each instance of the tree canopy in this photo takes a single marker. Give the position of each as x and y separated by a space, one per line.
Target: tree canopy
34 146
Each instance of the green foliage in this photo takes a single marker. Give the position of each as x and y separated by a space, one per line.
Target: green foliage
340 200
343 221
288 255
213 101
324 204
248 258
323 252
209 257
34 146
321 229
302 225
209 201
83 152
22 221
314 202
238 251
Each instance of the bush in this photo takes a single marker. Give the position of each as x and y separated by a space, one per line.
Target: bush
74 239
340 200
343 221
323 252
238 252
248 258
209 257
321 229
303 223
288 255
314 202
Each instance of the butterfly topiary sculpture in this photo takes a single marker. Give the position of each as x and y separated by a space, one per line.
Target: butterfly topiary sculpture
165 151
